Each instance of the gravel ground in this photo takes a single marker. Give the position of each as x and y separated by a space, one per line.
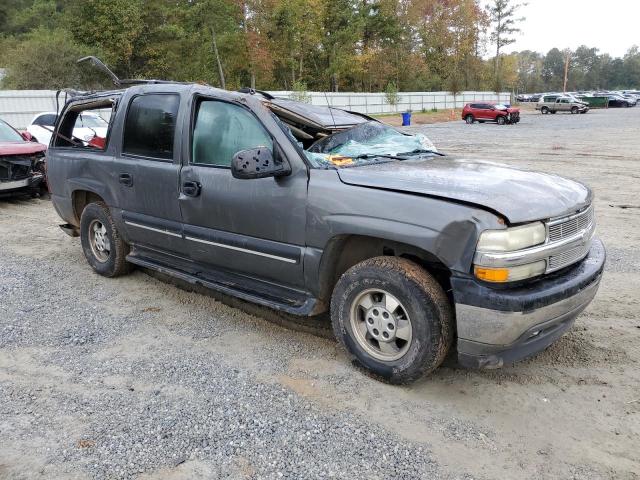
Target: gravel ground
135 378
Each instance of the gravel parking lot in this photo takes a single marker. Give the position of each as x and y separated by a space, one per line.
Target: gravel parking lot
134 377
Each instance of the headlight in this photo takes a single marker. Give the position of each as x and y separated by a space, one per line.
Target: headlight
510 274
511 239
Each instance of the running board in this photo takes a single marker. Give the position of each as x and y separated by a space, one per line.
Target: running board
294 302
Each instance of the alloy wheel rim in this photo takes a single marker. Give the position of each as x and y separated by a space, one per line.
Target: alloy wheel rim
99 241
381 325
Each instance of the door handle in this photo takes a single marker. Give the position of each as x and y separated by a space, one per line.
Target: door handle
191 189
126 179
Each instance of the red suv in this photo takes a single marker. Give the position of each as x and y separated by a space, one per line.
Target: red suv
488 112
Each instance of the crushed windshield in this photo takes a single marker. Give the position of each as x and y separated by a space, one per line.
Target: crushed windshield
366 143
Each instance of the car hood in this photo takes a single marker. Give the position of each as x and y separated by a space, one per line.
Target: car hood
21 148
518 195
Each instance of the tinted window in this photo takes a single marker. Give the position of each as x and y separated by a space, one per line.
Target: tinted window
48 120
150 126
223 129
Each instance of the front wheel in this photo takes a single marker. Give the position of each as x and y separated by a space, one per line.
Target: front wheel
469 119
102 245
501 120
393 318
574 110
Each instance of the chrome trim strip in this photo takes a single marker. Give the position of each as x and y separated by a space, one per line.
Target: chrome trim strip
244 250
555 221
496 327
166 232
10 185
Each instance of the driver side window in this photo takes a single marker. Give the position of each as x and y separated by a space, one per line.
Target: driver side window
221 130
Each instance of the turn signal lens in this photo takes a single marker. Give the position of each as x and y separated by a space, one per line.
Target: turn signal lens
496 275
512 274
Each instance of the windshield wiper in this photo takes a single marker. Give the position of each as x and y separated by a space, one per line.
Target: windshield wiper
376 155
419 151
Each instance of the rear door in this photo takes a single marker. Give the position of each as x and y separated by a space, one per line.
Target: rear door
146 172
254 227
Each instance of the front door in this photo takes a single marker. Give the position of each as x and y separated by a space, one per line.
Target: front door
147 173
254 227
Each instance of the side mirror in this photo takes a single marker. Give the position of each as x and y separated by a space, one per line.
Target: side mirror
257 162
27 136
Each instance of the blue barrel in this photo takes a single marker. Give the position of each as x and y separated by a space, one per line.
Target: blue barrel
406 119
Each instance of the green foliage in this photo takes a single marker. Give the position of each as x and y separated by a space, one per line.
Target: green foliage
46 59
341 45
300 92
391 94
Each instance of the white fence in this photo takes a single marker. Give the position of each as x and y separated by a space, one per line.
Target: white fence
18 107
376 103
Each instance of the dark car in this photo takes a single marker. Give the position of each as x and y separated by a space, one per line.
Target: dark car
307 209
617 101
490 112
21 162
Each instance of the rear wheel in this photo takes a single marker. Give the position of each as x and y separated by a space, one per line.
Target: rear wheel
469 119
393 318
501 120
544 110
102 245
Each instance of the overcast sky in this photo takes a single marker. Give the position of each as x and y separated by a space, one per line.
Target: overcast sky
611 26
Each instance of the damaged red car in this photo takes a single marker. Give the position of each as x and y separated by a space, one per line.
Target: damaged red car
21 162
489 112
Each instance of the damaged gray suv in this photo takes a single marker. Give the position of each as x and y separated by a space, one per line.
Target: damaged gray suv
306 209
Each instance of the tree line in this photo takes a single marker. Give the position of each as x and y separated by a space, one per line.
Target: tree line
339 45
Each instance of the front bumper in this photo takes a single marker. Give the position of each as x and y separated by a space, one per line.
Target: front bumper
11 187
499 326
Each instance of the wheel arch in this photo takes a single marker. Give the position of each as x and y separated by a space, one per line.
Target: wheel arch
80 198
346 250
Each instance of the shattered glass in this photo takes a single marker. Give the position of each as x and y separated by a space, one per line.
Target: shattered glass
365 143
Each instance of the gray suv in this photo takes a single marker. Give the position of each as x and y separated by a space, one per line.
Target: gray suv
306 209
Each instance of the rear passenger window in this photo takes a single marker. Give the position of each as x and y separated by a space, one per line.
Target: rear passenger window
223 129
150 126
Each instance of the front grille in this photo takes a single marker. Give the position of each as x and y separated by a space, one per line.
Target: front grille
570 227
567 258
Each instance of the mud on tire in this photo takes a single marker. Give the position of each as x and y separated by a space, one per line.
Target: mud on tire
426 305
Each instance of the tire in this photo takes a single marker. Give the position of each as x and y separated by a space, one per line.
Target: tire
574 110
544 110
469 119
106 255
501 120
422 304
